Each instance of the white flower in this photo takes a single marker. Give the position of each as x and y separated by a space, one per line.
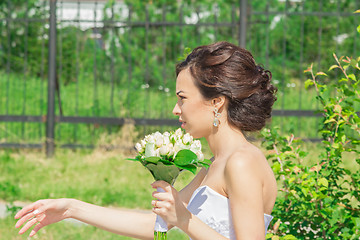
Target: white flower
139 148
195 146
164 150
150 139
187 138
166 140
157 152
159 140
200 155
143 143
150 150
171 149
178 133
157 134
166 134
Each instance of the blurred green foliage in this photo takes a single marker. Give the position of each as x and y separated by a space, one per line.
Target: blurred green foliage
321 200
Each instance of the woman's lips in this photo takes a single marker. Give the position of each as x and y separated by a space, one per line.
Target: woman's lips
182 124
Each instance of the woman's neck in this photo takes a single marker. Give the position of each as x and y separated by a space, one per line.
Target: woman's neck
225 140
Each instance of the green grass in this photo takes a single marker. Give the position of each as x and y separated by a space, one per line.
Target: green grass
99 177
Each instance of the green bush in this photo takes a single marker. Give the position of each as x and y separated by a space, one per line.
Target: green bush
321 200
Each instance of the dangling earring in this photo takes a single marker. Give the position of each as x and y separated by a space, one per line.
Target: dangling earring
216 118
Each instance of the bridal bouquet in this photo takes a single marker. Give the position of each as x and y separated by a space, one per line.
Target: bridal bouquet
165 155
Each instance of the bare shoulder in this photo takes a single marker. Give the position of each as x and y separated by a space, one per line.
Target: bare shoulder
248 176
249 158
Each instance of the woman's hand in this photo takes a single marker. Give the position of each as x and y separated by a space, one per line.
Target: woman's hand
42 213
169 205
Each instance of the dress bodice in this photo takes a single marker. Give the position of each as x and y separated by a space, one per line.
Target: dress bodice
214 209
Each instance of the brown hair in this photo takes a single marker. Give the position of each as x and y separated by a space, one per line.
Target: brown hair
225 69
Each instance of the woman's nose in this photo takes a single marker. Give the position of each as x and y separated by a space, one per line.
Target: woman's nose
176 111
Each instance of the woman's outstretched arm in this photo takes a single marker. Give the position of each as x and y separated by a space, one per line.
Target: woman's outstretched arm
130 223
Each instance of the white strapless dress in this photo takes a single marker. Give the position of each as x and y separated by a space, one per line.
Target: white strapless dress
214 209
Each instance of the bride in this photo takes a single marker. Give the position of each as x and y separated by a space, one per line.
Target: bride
222 94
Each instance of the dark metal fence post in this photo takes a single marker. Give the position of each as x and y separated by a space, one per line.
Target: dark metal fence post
50 119
243 23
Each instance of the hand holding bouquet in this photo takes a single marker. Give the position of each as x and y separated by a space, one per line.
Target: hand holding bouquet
165 155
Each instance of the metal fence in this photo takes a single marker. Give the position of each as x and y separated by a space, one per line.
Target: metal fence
72 69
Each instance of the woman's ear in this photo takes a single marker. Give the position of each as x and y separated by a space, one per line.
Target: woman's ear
218 102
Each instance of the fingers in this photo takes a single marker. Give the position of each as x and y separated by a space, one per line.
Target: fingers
36 229
162 188
26 210
162 184
28 225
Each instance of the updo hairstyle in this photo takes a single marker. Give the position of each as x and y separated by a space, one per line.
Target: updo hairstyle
224 69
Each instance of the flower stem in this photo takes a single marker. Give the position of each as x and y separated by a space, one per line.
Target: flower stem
160 235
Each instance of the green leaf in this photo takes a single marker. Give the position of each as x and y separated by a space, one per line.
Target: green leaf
337 108
185 157
190 167
133 159
343 138
351 75
357 222
323 182
358 28
308 83
304 191
321 74
358 160
152 159
206 162
333 66
289 237
160 171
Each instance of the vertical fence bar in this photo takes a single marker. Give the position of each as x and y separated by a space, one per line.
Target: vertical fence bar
25 66
181 21
233 23
317 121
77 68
95 35
243 23
60 63
147 87
284 60
320 35
164 108
357 4
301 70
112 61
267 42
197 26
129 63
42 72
50 119
8 64
216 8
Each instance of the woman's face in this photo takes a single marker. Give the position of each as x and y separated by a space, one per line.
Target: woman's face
195 113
